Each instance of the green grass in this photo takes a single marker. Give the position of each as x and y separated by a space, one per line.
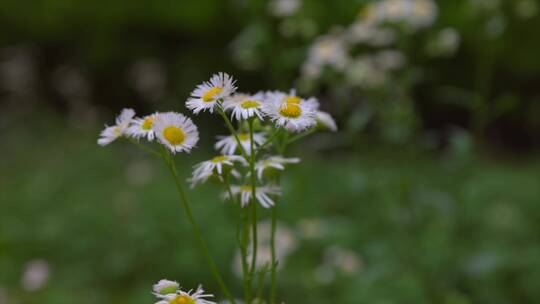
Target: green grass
428 228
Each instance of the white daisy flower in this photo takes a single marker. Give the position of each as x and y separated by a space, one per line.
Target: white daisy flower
176 131
143 127
206 95
262 195
244 106
216 165
325 121
290 111
165 286
110 134
276 162
190 297
227 144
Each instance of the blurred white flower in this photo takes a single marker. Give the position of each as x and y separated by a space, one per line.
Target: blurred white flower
176 131
285 244
312 228
273 162
207 94
414 13
329 50
110 134
165 286
326 122
370 33
363 72
337 259
182 297
390 59
262 194
284 8
36 275
445 43
228 145
217 165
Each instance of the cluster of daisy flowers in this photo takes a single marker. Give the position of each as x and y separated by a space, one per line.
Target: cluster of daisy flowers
286 112
248 162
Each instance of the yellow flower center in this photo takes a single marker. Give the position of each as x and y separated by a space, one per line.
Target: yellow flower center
293 99
248 104
148 123
220 158
243 136
174 135
211 94
182 299
291 110
246 188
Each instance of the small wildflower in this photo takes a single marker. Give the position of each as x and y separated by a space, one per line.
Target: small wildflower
182 297
262 195
176 131
110 134
165 286
228 144
216 165
275 162
244 106
143 127
206 95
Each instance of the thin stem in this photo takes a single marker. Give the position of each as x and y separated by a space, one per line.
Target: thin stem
301 135
144 147
244 249
273 275
233 131
260 283
241 243
253 203
273 268
196 230
269 140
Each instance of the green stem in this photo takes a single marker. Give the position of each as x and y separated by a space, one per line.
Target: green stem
273 268
196 230
241 243
233 132
302 135
253 204
144 147
269 140
273 275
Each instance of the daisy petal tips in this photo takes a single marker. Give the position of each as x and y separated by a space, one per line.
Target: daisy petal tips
111 133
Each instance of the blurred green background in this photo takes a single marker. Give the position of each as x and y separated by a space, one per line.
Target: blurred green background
429 193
